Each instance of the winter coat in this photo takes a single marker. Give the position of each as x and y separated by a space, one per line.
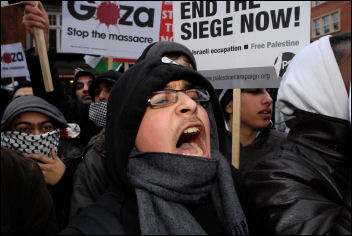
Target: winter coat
304 188
61 192
267 142
90 180
26 204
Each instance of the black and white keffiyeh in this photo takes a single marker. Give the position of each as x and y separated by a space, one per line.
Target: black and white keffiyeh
27 143
97 113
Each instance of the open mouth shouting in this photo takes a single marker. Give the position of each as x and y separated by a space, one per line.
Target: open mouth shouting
192 141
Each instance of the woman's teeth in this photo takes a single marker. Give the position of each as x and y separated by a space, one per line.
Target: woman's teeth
191 130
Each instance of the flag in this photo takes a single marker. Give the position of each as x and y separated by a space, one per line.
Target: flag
99 63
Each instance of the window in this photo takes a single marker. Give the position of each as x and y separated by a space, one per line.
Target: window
317 27
317 3
326 24
55 22
335 21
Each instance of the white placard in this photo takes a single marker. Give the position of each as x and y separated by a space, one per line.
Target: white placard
120 29
242 44
13 61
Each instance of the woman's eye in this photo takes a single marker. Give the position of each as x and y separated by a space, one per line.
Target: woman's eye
162 101
24 130
253 91
48 128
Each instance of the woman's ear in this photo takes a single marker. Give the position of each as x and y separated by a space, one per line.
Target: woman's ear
228 107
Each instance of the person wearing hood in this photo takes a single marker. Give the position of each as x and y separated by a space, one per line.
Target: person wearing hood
32 127
24 87
90 180
99 91
80 86
167 176
305 187
257 136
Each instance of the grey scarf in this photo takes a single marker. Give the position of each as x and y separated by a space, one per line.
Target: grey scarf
165 182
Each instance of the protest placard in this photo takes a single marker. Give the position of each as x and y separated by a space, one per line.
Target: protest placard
119 29
13 61
242 44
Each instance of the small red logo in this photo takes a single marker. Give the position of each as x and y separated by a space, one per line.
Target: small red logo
108 13
6 58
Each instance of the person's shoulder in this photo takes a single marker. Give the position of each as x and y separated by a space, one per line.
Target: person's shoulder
92 162
12 160
288 161
277 133
95 219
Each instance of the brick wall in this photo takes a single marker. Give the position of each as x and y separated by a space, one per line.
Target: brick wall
329 7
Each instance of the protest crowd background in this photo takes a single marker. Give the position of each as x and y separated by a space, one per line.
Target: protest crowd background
176 117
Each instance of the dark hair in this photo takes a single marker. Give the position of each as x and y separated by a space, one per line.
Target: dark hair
224 100
339 44
21 84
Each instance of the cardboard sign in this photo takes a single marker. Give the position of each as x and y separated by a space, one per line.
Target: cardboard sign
13 61
242 44
120 29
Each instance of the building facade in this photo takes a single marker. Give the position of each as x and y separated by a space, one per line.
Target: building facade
330 17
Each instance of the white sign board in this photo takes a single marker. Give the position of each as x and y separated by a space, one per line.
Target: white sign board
242 44
120 29
13 61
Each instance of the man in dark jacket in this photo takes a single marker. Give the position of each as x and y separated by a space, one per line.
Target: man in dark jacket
165 176
80 86
257 137
305 188
26 204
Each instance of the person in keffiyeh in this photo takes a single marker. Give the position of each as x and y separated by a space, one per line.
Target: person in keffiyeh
31 126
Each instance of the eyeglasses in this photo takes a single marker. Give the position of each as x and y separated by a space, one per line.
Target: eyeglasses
169 96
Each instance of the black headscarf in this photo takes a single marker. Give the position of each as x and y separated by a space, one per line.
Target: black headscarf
164 48
158 203
128 102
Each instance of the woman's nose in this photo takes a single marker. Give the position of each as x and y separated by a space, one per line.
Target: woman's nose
186 104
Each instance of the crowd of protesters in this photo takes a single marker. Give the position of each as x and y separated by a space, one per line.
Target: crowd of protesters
148 151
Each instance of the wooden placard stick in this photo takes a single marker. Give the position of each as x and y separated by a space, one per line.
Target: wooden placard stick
13 81
7 4
110 62
43 57
236 124
126 66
